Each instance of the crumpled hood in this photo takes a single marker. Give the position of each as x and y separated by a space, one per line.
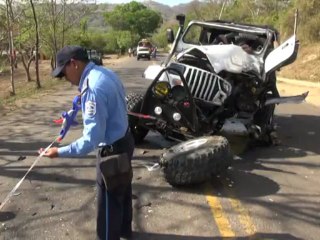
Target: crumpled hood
228 57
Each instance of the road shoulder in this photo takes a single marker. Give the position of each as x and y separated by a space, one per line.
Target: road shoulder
289 87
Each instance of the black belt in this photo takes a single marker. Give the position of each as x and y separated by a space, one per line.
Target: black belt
118 146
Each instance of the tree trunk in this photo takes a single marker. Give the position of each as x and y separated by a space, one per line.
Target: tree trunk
63 22
37 45
54 26
11 50
26 66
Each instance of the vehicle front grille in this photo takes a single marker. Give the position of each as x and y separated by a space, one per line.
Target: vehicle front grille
206 86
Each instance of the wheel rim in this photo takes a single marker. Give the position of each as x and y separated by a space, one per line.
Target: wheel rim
184 147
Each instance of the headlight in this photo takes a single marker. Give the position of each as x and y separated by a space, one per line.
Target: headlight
158 110
161 89
176 117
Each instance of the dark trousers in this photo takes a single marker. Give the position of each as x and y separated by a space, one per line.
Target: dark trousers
114 208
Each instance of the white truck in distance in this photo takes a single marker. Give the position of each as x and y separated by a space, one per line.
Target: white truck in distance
144 49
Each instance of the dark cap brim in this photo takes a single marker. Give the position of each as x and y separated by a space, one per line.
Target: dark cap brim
57 73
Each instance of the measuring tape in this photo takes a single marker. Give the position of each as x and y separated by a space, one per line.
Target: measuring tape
22 179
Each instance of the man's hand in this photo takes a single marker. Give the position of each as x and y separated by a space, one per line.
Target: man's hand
51 152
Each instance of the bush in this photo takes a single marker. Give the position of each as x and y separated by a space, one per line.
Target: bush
311 29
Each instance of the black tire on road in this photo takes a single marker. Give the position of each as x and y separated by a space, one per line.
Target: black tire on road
134 102
195 161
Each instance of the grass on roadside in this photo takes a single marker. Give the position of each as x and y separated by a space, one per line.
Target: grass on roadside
27 90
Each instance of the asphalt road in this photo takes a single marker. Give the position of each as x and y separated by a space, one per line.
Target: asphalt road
269 193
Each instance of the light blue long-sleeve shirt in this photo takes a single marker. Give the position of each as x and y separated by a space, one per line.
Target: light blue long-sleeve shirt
104 111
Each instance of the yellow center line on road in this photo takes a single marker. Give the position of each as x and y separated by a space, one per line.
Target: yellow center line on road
243 215
218 214
220 217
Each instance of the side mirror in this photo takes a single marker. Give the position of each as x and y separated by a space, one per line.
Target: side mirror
170 35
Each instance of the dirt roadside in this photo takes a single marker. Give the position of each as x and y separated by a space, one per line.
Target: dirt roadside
45 73
26 92
289 87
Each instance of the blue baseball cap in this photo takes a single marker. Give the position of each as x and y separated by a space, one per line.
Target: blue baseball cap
64 56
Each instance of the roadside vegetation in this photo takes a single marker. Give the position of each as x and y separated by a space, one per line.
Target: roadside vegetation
28 91
32 32
280 15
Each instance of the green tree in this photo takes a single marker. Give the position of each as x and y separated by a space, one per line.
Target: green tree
56 18
309 19
111 43
3 27
98 41
135 18
25 41
123 40
160 37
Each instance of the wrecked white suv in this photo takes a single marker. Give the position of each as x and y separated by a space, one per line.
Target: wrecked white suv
218 79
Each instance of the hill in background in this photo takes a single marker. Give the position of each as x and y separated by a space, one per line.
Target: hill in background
96 20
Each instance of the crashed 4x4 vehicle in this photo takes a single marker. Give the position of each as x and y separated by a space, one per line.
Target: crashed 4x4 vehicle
218 78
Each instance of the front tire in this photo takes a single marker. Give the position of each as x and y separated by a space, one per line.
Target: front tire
134 102
195 161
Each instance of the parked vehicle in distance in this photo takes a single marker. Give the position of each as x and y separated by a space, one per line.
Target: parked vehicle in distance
95 56
144 49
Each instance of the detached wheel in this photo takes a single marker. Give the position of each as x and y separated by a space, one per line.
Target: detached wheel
134 102
195 161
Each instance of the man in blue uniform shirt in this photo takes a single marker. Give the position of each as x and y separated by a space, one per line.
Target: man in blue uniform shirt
105 122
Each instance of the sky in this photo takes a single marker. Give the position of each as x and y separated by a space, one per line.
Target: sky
166 2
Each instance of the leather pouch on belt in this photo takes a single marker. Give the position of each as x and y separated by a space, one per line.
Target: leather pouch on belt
116 170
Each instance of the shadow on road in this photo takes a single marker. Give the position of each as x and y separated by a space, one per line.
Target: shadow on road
6 216
159 236
37 175
296 142
259 185
299 134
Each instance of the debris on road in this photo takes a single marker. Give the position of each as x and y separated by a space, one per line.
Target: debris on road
20 158
141 205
